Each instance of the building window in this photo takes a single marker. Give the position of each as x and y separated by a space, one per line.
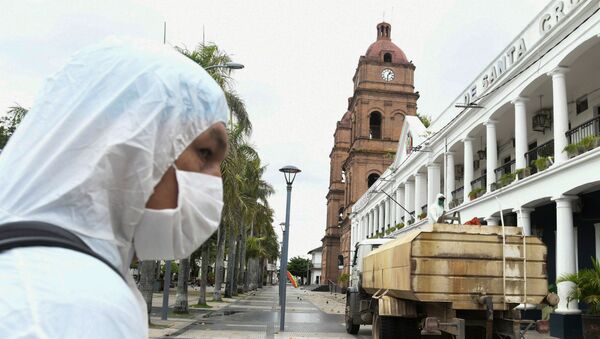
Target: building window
581 104
372 178
341 214
387 57
375 125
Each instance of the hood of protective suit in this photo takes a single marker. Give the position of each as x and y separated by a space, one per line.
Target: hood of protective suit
434 210
100 136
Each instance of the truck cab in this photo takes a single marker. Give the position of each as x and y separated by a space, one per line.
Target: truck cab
362 249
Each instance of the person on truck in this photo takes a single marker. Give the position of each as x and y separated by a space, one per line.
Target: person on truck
435 213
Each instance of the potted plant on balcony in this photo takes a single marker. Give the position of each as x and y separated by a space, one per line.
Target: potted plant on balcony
399 226
475 193
523 173
587 289
542 163
422 216
572 150
507 178
588 143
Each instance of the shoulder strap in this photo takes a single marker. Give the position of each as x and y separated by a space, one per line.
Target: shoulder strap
35 233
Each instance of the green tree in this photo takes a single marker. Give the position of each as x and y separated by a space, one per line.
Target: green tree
299 267
425 119
9 123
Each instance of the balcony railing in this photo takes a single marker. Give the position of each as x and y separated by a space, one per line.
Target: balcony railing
587 129
509 167
543 150
479 183
457 197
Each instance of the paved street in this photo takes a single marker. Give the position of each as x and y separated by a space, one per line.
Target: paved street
257 316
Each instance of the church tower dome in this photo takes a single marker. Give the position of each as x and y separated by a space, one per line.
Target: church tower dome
384 50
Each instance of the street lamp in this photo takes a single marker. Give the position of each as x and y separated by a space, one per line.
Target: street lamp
289 172
281 286
229 65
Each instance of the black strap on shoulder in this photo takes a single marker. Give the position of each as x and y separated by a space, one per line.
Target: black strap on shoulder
35 233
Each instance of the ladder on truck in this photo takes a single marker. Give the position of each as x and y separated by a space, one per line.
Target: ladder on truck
508 255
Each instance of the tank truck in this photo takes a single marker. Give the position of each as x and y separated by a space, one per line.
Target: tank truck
446 281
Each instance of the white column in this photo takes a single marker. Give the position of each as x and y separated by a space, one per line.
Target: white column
409 199
376 222
386 219
468 167
492 221
524 219
565 252
491 153
433 182
520 132
419 179
449 181
561 113
369 223
400 198
372 228
393 209
381 216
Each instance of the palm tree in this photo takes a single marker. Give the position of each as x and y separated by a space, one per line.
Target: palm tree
146 286
209 54
204 273
9 123
181 298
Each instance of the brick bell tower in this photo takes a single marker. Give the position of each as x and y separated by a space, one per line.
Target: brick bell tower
365 140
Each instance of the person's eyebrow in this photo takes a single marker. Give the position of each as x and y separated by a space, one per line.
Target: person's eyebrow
218 137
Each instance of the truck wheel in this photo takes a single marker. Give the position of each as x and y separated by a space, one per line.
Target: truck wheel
351 328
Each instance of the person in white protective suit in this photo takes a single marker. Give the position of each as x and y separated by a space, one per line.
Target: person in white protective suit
122 149
435 210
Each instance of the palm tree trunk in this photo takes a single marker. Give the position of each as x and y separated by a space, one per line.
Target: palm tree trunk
243 268
181 298
238 263
204 274
147 278
219 263
230 263
261 267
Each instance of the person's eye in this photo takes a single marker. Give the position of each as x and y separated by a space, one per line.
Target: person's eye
205 153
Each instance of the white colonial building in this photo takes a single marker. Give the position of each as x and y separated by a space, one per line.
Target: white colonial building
521 145
316 255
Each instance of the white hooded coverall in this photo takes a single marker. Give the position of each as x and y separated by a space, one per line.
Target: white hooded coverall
434 210
86 157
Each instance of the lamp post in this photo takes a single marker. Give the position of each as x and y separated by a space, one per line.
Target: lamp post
289 172
281 286
229 65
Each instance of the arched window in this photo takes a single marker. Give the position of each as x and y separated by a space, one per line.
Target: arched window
341 214
372 178
375 125
387 57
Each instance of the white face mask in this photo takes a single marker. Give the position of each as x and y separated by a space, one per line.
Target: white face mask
176 233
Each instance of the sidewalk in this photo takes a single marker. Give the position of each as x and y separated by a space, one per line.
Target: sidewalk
163 328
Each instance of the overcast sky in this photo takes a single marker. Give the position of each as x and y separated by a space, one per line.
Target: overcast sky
300 57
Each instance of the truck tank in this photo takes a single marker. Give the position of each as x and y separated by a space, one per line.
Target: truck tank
457 264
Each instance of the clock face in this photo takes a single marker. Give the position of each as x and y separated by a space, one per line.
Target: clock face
387 74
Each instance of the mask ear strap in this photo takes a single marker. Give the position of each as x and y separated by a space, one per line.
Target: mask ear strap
175 166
